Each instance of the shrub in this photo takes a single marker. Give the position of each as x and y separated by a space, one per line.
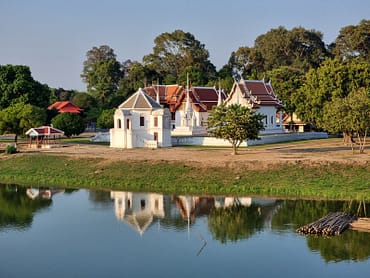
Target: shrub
10 149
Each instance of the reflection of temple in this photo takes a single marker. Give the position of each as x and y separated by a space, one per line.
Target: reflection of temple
191 207
45 193
138 209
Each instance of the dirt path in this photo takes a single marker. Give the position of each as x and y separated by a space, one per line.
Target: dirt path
306 152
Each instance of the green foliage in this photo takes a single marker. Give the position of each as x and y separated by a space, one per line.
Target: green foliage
286 82
70 123
105 120
10 149
84 101
89 105
234 123
353 41
102 73
332 79
135 76
335 180
17 209
235 223
20 117
349 115
175 51
18 85
300 48
61 94
196 76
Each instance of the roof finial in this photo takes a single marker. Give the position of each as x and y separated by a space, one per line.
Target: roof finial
219 101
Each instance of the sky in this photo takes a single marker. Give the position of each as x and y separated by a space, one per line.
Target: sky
52 37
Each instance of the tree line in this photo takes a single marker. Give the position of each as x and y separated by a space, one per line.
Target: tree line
310 77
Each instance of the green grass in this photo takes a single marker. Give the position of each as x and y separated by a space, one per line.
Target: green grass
332 181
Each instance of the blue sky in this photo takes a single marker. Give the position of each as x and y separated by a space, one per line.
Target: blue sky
53 36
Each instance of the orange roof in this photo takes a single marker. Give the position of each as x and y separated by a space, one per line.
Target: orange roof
202 98
65 106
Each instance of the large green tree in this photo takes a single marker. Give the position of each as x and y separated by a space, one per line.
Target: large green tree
135 75
298 47
175 51
245 62
353 41
18 85
101 73
70 123
105 120
234 123
19 117
286 82
349 115
332 79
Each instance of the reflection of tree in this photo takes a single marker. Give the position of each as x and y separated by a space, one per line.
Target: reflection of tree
70 190
302 212
100 198
351 245
235 222
16 208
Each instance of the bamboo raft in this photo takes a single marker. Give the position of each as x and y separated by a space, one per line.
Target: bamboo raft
332 224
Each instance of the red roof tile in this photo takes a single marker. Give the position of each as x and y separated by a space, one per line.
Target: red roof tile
65 106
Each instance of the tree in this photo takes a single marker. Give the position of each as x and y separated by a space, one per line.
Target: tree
287 81
84 101
70 123
245 62
332 79
175 51
234 123
105 119
135 76
196 76
101 73
353 41
349 115
19 117
18 85
298 48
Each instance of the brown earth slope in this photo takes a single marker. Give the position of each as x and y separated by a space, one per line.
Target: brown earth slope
305 152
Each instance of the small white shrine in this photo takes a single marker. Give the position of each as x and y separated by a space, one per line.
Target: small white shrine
139 122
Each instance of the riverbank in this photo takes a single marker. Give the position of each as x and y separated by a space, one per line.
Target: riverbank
309 169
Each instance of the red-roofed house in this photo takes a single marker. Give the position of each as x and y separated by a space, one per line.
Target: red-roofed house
258 95
65 107
44 136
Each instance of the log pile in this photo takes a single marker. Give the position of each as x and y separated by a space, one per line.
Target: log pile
332 224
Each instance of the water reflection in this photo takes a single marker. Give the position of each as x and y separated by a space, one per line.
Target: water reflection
138 209
18 206
226 218
229 218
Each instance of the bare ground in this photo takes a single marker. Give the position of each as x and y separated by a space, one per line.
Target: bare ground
313 152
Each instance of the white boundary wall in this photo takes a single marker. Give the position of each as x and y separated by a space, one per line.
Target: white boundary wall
211 141
265 139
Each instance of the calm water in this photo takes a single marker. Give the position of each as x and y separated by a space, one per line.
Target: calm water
123 234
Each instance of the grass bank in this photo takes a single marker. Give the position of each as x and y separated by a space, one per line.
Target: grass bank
334 181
